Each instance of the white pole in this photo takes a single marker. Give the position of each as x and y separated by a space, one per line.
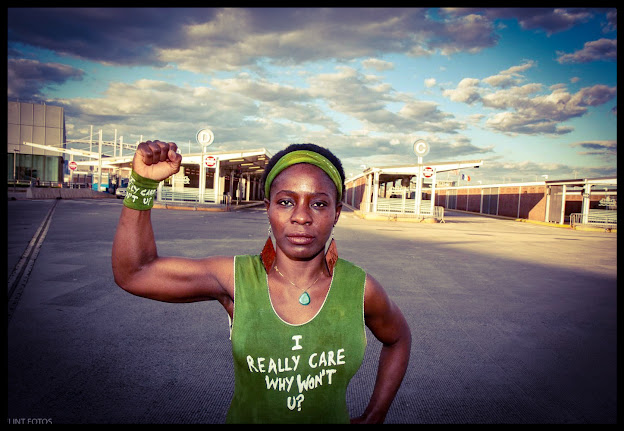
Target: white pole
91 146
115 145
247 187
418 195
100 162
216 182
433 190
202 178
71 171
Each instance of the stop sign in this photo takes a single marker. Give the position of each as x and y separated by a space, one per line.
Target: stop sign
73 165
428 172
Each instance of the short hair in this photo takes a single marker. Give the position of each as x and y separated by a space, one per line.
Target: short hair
308 147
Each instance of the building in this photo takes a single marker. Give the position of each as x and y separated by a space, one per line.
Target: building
417 192
41 124
408 191
38 152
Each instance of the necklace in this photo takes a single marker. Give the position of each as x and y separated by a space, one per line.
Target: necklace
304 299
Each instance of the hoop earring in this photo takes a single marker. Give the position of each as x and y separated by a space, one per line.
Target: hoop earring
268 253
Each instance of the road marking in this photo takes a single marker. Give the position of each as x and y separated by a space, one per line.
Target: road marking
19 277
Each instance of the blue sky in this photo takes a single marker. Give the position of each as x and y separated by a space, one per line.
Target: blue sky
531 92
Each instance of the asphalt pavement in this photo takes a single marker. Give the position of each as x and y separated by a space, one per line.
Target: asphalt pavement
511 322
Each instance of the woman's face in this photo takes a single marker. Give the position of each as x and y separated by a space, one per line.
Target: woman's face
302 210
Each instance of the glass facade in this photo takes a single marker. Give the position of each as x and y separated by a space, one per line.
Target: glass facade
40 124
29 167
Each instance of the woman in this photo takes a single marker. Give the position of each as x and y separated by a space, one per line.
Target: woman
297 311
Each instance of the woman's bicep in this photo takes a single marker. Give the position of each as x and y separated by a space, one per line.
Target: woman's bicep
177 279
383 317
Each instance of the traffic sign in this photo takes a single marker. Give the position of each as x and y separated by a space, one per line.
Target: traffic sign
73 165
210 161
428 172
205 137
421 148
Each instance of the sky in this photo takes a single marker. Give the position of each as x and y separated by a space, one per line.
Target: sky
530 91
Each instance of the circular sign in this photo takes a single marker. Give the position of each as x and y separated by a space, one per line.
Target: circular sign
210 161
73 165
421 148
427 172
205 137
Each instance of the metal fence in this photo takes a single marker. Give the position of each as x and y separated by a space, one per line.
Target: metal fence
186 194
407 208
595 217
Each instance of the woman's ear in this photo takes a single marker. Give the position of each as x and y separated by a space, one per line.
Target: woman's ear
338 209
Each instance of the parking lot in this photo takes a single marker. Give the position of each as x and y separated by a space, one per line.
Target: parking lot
511 322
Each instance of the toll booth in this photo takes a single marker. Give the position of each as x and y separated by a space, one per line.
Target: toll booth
408 191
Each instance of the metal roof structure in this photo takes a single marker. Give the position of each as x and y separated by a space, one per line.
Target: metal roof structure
242 161
413 169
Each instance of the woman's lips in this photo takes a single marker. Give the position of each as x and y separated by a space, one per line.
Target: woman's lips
300 239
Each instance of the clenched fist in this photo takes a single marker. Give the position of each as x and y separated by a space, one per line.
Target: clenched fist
156 160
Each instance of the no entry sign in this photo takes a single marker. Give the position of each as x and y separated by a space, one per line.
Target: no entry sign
73 165
210 161
428 172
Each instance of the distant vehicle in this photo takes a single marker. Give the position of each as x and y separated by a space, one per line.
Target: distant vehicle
121 192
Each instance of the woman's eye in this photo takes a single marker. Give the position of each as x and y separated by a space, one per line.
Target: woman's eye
319 204
284 202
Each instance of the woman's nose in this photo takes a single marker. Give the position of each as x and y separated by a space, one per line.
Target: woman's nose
301 214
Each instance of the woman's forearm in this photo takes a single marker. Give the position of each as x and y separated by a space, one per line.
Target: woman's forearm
133 245
393 361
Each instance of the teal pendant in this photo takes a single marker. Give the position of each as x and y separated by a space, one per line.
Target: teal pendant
304 299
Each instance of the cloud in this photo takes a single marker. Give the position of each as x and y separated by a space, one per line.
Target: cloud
526 110
509 77
378 65
210 39
122 36
379 152
503 171
598 50
604 149
468 33
611 24
365 99
549 20
27 78
467 91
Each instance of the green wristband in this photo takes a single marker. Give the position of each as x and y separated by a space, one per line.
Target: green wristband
140 192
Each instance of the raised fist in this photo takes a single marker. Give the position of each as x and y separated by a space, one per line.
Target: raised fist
156 160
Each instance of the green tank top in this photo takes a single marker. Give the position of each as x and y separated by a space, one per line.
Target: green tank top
287 373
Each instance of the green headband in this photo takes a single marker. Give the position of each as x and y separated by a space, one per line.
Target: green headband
304 156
